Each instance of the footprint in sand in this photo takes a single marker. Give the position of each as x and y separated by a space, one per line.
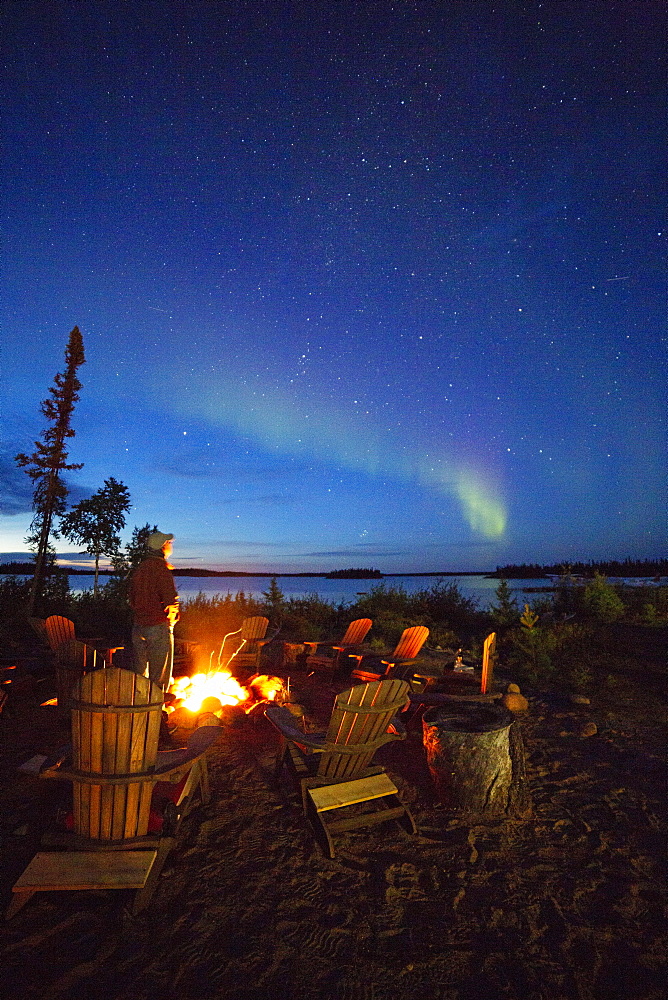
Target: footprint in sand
403 884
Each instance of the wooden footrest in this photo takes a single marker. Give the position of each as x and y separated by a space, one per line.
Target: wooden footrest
348 793
82 870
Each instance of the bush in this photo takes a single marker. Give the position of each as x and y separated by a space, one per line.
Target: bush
207 619
602 602
563 653
105 616
441 604
388 627
646 605
381 599
443 638
444 603
506 611
531 648
14 596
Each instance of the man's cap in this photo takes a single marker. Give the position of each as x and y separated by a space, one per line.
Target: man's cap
157 539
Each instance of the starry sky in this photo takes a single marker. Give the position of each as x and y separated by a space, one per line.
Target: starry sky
360 284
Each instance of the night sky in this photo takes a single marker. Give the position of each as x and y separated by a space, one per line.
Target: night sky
360 284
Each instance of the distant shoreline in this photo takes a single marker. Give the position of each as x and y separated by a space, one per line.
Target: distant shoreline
26 569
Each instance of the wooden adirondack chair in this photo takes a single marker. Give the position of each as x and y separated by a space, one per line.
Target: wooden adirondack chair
59 630
249 641
372 668
116 772
335 769
327 658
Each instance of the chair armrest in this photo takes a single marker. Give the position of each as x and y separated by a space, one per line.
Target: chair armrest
366 657
176 761
284 721
319 642
400 667
100 645
62 756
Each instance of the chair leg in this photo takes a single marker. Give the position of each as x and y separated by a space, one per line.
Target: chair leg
19 900
318 825
204 787
143 896
280 757
406 821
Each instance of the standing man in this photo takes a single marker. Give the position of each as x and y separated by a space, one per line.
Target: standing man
155 607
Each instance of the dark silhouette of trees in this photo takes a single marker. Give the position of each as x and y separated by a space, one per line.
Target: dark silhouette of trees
135 550
355 574
47 463
611 567
95 522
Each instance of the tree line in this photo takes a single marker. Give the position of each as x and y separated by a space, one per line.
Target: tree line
610 567
354 574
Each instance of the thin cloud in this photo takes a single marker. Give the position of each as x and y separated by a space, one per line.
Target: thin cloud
363 550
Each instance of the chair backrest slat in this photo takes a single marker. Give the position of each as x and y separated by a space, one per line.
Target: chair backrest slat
410 644
356 632
254 628
73 659
488 663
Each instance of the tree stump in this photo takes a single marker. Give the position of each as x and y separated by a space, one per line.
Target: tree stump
476 759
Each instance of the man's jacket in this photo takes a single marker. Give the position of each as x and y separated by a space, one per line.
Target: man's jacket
152 591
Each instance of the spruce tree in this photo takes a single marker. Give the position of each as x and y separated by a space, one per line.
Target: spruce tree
49 460
96 521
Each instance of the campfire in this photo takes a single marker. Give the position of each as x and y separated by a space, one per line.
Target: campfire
218 690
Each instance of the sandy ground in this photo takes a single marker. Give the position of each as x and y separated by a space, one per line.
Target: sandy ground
567 904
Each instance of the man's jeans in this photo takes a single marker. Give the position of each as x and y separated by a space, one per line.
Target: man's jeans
153 647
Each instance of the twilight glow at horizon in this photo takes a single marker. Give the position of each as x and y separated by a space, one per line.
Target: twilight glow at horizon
354 290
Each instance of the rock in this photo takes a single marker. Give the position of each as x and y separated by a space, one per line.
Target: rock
515 702
589 729
579 699
513 689
210 704
183 718
207 719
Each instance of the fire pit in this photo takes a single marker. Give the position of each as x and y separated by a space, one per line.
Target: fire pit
217 692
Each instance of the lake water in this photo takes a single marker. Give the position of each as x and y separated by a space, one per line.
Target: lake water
341 591
336 591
